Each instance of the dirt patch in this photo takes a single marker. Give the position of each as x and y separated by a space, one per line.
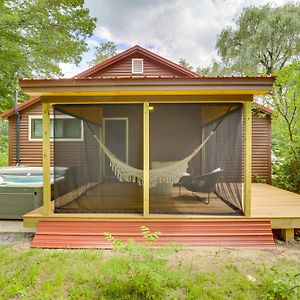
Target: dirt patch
210 259
11 238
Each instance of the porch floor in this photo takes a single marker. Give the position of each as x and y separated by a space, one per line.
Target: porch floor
268 202
127 198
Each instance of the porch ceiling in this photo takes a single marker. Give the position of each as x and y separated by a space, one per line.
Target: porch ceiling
147 87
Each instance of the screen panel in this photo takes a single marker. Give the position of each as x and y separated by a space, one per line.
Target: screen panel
90 183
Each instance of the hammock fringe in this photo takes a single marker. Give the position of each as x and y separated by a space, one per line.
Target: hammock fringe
168 174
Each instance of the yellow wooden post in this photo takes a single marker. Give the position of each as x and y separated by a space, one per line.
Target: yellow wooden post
46 160
247 157
288 234
146 159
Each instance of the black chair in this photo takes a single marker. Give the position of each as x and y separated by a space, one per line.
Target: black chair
201 183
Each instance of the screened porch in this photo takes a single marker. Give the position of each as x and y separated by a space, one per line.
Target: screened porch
194 163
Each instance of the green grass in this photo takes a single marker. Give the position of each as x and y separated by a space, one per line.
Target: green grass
141 273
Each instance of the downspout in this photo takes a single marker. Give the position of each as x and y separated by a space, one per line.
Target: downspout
17 113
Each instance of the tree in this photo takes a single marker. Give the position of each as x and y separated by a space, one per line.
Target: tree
184 63
285 100
37 35
265 39
215 69
103 52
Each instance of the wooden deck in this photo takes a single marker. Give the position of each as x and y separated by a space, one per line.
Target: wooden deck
280 206
268 202
127 198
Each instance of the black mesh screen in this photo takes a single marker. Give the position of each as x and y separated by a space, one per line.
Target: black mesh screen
86 183
213 180
89 185
224 150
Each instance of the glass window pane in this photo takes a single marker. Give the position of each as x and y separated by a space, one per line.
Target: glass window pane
36 128
67 128
58 128
72 128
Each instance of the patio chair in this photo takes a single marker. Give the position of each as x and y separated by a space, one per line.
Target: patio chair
201 183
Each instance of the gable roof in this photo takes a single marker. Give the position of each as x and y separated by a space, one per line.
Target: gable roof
137 50
27 103
94 73
263 109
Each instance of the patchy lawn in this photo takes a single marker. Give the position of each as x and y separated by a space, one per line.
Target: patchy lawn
140 273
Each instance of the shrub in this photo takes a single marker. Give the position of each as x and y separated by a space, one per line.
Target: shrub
145 274
279 286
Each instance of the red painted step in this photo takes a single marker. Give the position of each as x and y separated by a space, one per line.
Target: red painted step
90 234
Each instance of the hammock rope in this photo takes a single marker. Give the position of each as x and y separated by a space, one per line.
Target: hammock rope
167 174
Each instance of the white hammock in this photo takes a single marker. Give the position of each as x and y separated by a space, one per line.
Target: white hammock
168 174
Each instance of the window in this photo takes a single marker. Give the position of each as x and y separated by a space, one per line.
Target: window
66 128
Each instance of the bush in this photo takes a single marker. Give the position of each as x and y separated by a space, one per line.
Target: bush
141 271
287 174
3 143
280 286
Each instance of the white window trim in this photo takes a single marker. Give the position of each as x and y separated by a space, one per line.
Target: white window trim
34 117
137 59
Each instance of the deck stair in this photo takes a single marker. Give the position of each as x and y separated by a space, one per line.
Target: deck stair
89 234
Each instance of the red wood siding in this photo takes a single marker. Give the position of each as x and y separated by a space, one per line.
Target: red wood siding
68 154
151 68
30 151
261 148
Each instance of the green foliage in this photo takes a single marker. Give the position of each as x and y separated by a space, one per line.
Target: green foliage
285 101
3 143
215 69
149 236
103 52
286 173
147 274
184 63
280 286
265 39
258 179
37 35
130 274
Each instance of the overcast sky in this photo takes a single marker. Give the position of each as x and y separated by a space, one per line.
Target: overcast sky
172 28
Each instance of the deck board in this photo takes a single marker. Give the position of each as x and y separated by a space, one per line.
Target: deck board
268 202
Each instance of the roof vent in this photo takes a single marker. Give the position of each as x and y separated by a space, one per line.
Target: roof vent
137 66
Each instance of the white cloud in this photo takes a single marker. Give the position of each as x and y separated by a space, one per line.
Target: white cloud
171 28
70 70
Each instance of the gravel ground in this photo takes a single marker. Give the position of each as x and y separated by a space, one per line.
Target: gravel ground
9 238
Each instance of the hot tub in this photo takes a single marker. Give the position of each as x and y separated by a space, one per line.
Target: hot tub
21 189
